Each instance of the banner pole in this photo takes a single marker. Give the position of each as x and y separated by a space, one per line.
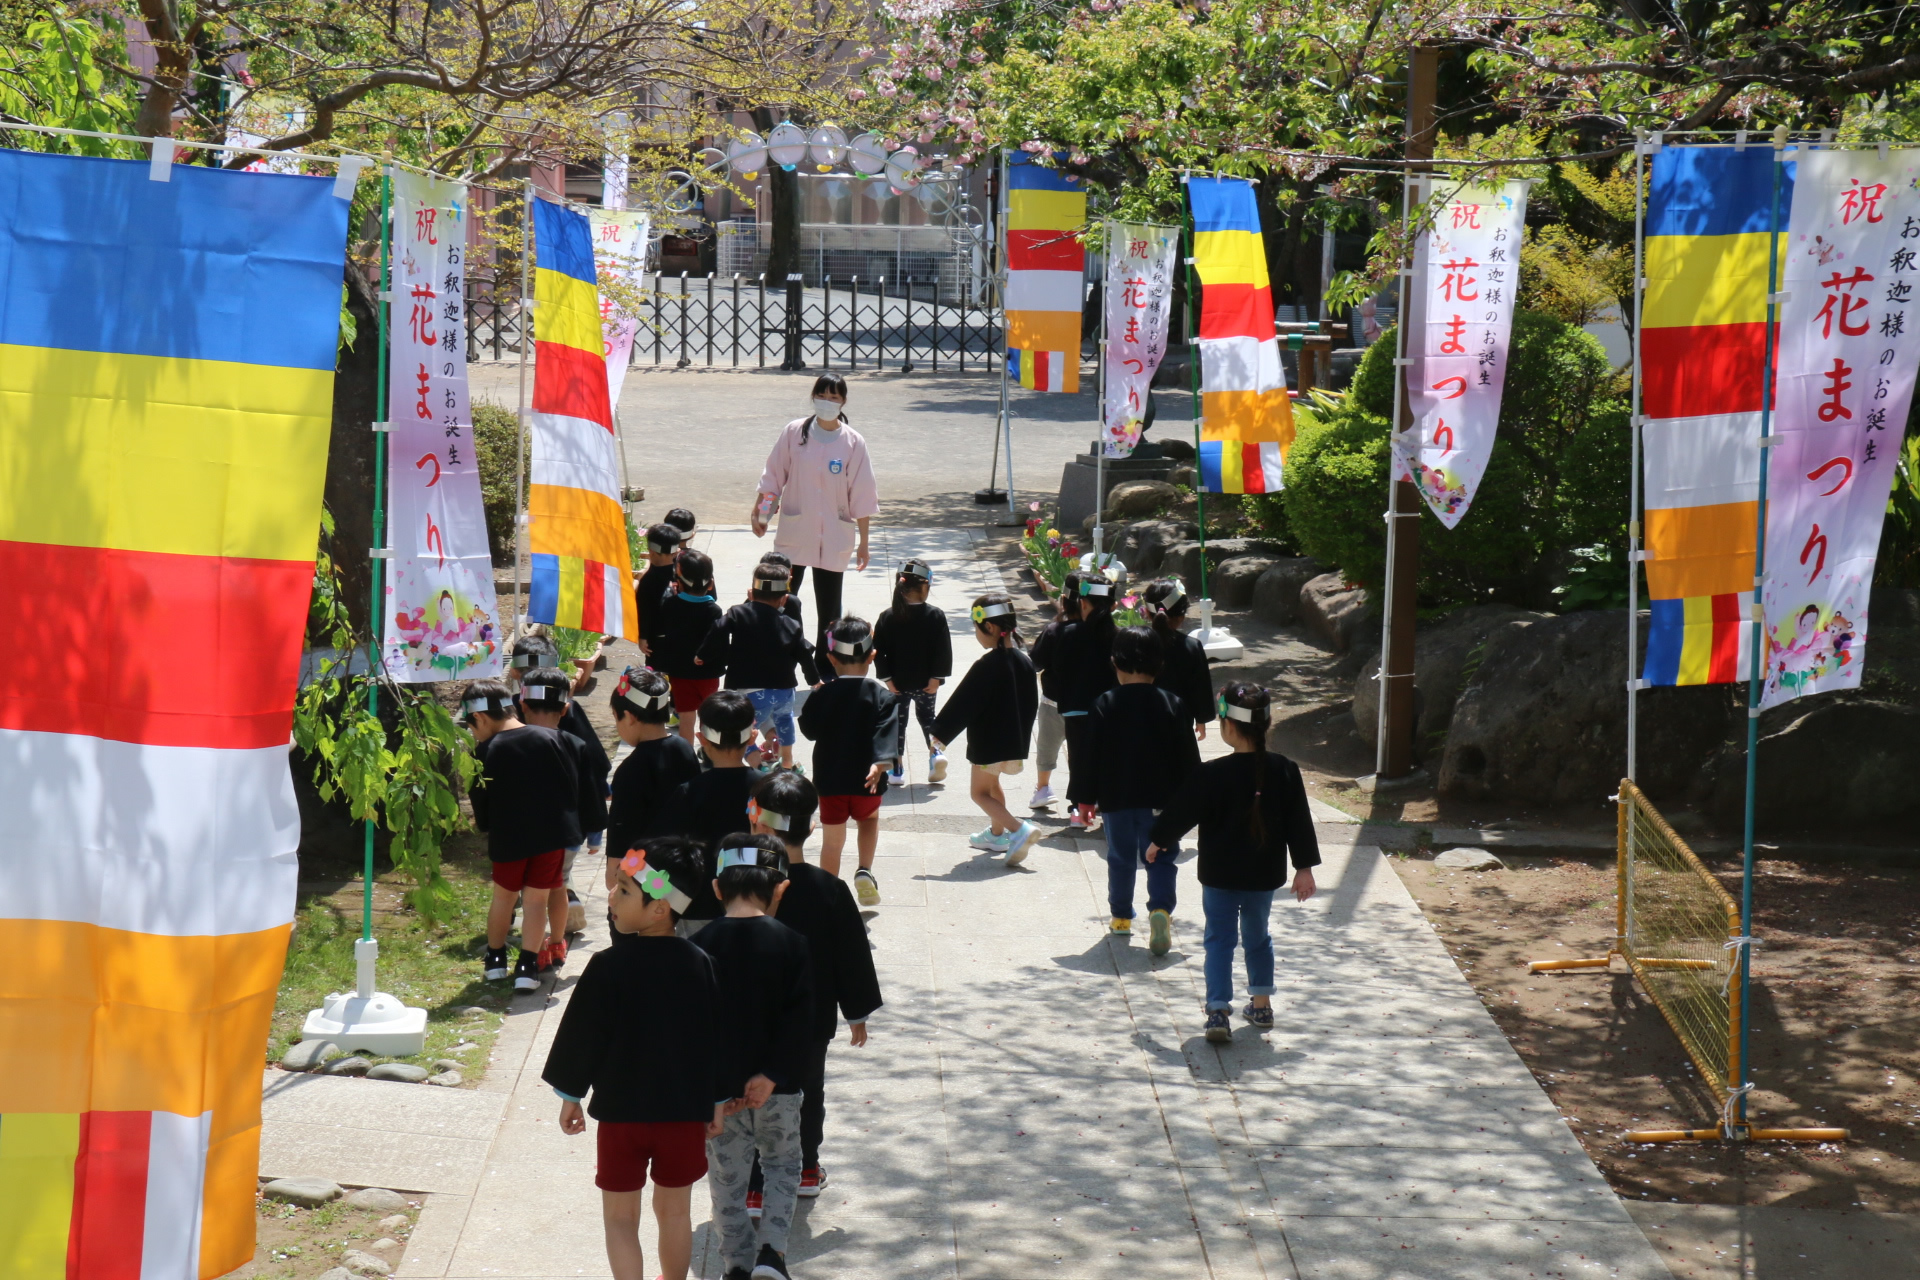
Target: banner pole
1193 382
1637 496
520 419
376 613
1100 407
1393 434
1006 397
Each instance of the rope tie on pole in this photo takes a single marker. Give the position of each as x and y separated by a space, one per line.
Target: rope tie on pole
1742 948
1735 1096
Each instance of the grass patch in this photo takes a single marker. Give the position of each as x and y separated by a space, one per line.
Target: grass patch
303 1244
434 967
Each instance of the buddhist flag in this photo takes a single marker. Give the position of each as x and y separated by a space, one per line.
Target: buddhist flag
166 396
1703 344
1246 422
1046 269
581 565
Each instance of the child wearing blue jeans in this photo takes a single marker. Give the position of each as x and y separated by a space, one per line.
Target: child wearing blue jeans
1138 749
758 645
1251 808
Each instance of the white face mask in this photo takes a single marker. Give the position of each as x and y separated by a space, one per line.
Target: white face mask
827 411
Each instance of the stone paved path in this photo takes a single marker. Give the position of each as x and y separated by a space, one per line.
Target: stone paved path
1037 1099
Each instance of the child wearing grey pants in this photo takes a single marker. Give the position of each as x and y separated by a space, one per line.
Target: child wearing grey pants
774 1131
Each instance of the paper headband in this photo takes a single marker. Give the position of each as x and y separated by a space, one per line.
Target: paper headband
653 882
916 569
767 817
738 858
543 693
981 612
773 585
718 737
1095 587
1170 605
645 701
1245 715
490 703
521 661
661 543
857 649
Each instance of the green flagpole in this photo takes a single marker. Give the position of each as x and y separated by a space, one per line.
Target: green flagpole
377 573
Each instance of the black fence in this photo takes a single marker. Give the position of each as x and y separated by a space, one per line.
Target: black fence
739 322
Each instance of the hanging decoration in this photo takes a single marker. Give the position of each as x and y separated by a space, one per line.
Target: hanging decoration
166 399
1246 421
1703 339
1850 269
576 525
1141 261
441 620
1466 272
619 253
1046 270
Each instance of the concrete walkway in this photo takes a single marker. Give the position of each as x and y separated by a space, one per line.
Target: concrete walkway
1037 1099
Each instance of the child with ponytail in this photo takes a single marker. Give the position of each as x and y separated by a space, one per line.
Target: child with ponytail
994 705
1251 808
1183 664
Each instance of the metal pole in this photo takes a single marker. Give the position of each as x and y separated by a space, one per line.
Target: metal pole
520 450
1633 427
1000 283
1756 653
1100 454
377 576
1393 755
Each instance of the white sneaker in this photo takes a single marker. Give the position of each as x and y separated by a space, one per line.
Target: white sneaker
1019 841
896 777
985 839
937 769
1042 797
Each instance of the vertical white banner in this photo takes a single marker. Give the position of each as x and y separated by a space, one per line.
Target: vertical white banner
619 254
441 621
1466 273
1851 272
1139 293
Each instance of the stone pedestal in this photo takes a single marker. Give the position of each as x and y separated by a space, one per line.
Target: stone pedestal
1080 479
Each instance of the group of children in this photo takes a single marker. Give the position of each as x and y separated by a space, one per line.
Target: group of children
701 1035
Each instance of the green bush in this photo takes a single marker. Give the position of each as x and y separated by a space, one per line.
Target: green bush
1557 478
496 428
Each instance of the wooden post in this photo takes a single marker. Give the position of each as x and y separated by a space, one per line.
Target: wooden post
1395 758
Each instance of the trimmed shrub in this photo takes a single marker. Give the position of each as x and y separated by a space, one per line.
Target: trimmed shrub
496 428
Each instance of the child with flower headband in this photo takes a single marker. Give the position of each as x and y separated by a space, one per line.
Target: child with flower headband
642 1038
913 653
1183 667
658 762
1251 808
994 705
766 990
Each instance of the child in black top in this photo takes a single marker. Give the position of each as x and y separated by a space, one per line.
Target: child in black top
819 908
686 617
1139 748
527 800
650 587
1251 808
792 607
546 700
759 645
657 764
709 805
643 1034
766 989
913 653
1051 729
851 720
994 706
1086 672
683 520
1183 666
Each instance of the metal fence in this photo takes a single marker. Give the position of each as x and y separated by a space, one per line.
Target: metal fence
737 321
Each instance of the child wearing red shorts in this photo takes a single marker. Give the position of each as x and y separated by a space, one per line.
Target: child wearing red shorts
854 722
527 799
682 621
642 1034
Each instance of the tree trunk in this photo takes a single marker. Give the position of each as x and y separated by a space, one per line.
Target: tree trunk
173 57
350 454
783 248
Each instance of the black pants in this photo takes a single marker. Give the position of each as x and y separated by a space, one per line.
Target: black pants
813 1110
826 598
1082 786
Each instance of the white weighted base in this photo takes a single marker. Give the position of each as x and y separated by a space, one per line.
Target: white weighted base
365 1018
1215 642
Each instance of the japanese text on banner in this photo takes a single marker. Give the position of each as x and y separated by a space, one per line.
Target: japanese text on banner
1139 291
619 254
1851 272
441 621
1465 275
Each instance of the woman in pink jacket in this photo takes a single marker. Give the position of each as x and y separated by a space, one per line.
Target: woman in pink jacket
820 480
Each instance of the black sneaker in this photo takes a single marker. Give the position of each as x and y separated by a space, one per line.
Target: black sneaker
495 964
738 1273
526 971
770 1265
1258 1015
1218 1031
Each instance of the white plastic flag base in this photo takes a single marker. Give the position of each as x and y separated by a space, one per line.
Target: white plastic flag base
1216 642
365 1018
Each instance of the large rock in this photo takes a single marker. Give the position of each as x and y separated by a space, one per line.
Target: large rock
309 1193
1443 653
1467 858
1137 498
361 1263
1333 612
1183 559
1542 718
1233 581
308 1054
1276 595
1142 545
376 1200
354 1066
1838 759
404 1072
